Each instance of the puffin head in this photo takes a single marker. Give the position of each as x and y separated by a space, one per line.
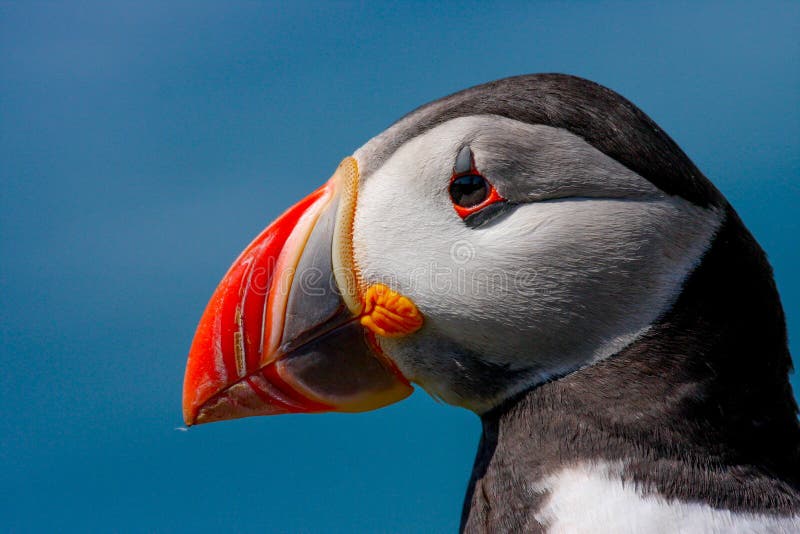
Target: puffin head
486 243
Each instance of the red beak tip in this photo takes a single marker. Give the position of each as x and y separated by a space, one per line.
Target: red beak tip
234 402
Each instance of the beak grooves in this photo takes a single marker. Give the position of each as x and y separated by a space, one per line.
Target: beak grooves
345 270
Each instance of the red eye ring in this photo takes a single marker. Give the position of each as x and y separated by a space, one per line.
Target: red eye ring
469 190
492 196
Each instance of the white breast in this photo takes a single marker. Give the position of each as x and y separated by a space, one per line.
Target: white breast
593 498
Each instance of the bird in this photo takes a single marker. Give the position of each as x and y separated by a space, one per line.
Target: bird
538 251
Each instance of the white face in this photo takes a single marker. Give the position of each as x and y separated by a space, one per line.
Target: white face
587 259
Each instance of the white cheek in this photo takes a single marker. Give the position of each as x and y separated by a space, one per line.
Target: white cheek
551 285
581 278
405 223
556 284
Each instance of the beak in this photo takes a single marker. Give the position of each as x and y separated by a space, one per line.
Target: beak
291 328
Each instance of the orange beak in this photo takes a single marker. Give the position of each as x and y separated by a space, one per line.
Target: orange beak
290 328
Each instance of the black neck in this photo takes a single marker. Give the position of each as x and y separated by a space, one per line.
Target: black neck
699 409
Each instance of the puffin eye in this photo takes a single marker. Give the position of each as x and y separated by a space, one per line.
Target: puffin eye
469 191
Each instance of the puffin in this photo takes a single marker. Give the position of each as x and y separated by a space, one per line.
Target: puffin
538 251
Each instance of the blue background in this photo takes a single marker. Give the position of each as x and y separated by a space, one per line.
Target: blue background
143 145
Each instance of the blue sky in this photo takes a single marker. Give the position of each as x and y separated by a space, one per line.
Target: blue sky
142 145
